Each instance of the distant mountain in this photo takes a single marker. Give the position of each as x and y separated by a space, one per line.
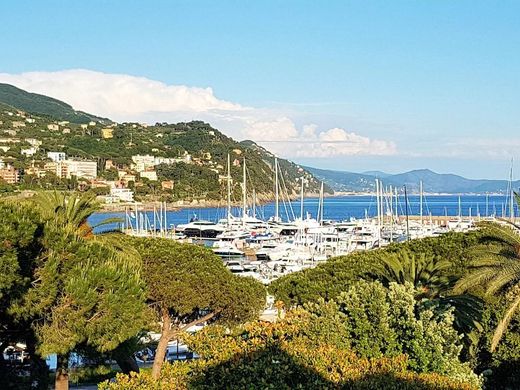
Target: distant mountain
377 174
43 105
432 182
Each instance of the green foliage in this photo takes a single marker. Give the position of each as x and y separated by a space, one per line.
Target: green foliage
316 348
330 279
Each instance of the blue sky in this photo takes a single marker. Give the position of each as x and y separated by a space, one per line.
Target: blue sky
412 84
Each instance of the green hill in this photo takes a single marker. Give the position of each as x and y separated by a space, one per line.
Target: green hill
43 105
200 151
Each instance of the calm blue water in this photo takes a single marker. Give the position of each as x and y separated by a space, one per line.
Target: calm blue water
345 207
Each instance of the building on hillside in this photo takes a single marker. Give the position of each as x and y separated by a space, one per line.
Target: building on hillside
57 156
120 195
92 123
35 171
167 184
33 142
58 168
10 132
149 174
84 126
107 133
81 169
141 163
10 175
109 164
30 120
63 123
30 151
17 124
4 148
9 140
53 127
66 130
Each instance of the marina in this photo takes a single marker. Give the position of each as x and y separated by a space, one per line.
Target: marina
285 236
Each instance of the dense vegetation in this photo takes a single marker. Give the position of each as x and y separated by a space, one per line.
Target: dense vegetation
64 290
200 149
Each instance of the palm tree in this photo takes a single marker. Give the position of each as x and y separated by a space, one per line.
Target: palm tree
434 288
68 214
497 268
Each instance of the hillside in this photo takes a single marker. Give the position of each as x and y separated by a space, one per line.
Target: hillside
43 105
432 182
194 153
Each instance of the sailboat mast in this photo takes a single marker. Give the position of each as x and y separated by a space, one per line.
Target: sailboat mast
321 204
244 196
228 190
512 204
254 203
301 201
421 201
276 209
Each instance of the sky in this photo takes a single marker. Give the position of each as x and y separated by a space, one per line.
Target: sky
346 85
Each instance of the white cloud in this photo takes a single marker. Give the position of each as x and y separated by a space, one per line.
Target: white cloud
129 98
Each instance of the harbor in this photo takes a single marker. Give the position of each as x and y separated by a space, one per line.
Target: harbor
287 235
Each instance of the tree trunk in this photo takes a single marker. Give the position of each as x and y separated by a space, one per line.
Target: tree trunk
126 363
160 352
62 373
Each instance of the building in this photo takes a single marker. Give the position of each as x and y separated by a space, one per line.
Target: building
141 163
81 168
120 195
66 130
150 175
33 142
109 164
12 133
167 184
58 168
30 120
57 156
18 124
30 151
53 127
10 175
92 123
107 133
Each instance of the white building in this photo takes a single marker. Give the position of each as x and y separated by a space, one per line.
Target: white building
150 175
53 127
29 152
33 142
141 163
57 156
84 169
120 195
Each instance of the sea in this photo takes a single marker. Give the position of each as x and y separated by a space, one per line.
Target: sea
338 208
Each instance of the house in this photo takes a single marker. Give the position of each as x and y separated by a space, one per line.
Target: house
10 132
57 156
150 175
33 142
30 151
63 123
107 133
9 140
92 123
141 163
66 130
167 184
120 195
17 124
30 120
84 126
10 175
109 164
53 127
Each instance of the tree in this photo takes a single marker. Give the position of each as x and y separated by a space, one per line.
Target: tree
497 268
21 232
189 285
320 347
84 290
